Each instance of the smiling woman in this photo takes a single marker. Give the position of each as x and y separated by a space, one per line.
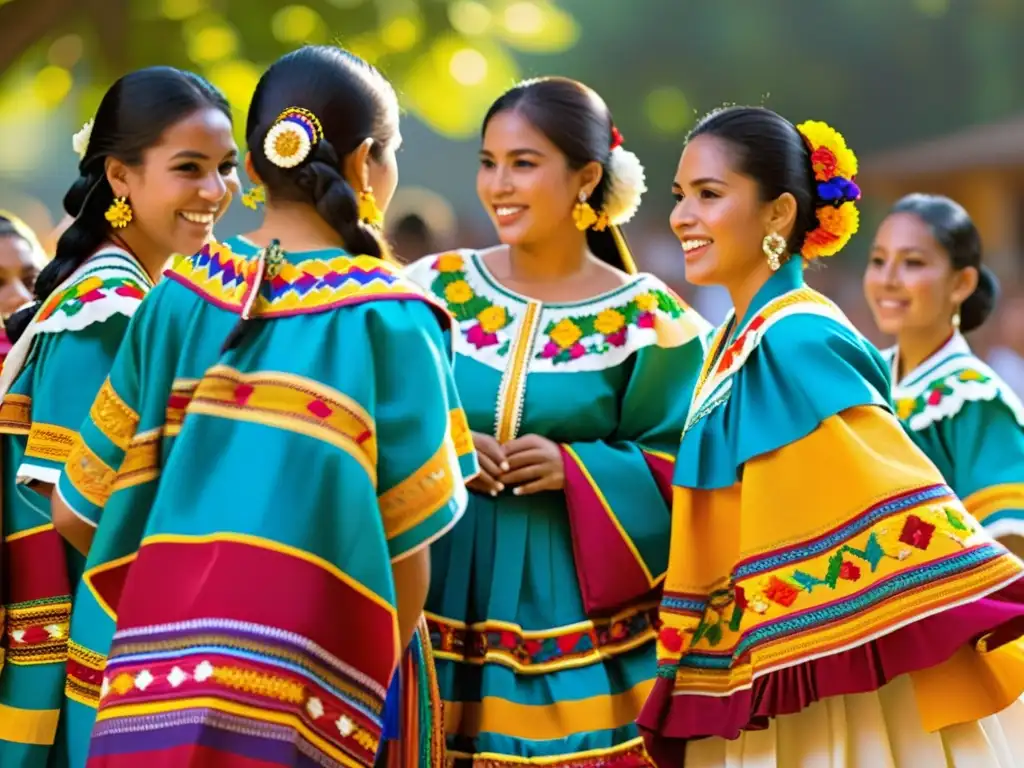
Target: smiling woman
829 601
157 168
576 371
926 285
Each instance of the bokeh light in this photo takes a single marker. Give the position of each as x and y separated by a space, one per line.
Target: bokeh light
668 111
468 66
469 17
298 24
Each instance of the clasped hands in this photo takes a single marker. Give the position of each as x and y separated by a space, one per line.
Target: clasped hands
528 464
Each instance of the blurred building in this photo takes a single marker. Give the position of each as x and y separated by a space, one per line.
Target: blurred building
981 167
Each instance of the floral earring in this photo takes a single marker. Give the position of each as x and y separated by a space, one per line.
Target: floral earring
774 245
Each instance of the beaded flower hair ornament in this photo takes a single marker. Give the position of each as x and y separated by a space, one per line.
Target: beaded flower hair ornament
835 168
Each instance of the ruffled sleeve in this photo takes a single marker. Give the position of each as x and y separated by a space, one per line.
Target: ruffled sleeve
618 491
815 550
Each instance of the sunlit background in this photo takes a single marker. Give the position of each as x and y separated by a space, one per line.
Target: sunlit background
927 91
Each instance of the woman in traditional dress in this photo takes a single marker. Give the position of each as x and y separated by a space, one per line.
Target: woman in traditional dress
263 539
543 600
926 286
21 259
828 600
155 173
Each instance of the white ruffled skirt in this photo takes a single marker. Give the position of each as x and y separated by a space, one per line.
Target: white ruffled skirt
881 729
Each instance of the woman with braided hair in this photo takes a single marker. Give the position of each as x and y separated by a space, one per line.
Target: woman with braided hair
276 446
157 168
829 601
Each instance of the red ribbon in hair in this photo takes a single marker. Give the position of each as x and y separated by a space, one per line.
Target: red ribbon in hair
616 138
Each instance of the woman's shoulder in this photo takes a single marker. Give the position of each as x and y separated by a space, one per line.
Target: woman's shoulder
110 282
954 386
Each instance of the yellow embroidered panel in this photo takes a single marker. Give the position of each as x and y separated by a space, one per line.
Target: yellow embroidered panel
141 461
292 403
38 634
15 414
50 442
113 417
181 395
85 675
462 437
89 474
421 494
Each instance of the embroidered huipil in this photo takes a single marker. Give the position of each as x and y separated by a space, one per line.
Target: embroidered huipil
49 382
971 425
816 554
541 607
250 504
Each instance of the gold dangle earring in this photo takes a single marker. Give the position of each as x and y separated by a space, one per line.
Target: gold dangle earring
583 214
254 197
774 245
585 217
369 213
119 214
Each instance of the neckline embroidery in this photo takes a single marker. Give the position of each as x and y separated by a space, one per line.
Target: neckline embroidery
588 335
723 360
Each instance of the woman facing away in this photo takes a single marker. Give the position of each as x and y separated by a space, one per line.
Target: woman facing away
285 431
542 606
926 286
21 259
154 175
828 602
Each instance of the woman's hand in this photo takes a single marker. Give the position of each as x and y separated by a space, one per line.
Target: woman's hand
535 464
492 462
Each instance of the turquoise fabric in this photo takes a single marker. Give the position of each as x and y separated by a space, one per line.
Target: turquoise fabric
76 337
804 368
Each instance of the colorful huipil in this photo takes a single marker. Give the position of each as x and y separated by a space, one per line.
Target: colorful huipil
971 425
818 557
48 385
542 607
253 595
128 435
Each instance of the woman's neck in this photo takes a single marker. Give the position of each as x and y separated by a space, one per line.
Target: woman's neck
743 292
150 256
917 346
559 257
297 226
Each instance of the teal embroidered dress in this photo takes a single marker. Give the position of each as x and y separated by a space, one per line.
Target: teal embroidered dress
541 609
48 384
971 425
247 522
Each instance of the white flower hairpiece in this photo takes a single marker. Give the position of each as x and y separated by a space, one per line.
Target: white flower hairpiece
626 185
80 141
292 137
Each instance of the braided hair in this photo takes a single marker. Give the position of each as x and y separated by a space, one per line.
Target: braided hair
133 115
340 101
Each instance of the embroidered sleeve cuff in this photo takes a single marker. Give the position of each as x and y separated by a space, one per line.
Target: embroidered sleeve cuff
426 505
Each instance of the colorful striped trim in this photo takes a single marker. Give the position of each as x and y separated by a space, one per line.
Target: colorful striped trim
85 675
37 632
236 669
539 652
292 403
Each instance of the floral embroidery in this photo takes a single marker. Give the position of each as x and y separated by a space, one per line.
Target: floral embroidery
610 327
937 391
785 589
466 305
